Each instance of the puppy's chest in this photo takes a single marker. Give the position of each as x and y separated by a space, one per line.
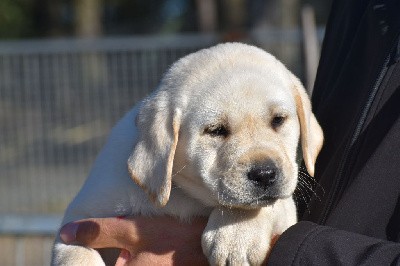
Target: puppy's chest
179 205
184 206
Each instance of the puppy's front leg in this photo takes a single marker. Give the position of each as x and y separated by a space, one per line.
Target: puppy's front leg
237 237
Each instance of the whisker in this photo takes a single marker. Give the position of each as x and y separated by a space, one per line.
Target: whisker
307 188
180 170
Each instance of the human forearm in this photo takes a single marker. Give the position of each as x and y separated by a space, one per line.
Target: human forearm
309 244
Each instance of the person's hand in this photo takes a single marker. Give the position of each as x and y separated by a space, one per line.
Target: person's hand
143 240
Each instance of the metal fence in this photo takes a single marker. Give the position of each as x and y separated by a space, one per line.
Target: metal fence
58 101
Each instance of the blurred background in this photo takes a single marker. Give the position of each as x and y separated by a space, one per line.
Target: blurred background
69 69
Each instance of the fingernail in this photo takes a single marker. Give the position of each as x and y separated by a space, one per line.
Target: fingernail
124 258
68 232
125 254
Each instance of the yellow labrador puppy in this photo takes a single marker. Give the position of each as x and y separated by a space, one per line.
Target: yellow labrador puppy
218 139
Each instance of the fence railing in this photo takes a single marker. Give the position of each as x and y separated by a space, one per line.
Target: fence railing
58 100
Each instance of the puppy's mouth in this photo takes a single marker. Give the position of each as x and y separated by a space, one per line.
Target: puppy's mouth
251 204
254 203
251 201
264 200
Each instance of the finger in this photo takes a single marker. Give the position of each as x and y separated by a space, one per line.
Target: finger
124 258
274 239
101 233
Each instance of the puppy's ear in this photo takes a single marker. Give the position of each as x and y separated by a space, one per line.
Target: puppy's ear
311 133
151 161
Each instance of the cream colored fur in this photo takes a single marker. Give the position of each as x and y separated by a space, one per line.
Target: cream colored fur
181 168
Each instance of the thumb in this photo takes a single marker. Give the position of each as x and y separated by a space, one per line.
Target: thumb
101 233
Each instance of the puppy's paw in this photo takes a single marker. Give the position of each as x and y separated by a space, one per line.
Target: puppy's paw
75 255
235 252
236 237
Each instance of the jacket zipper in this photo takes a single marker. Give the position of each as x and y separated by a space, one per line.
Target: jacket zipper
356 133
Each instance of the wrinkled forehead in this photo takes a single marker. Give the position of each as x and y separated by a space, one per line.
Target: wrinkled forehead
242 94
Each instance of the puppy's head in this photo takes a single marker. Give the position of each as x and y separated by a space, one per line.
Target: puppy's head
224 126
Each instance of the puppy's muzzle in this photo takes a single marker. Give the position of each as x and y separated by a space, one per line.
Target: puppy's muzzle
263 175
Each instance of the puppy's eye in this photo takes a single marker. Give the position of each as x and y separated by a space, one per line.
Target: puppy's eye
217 130
278 121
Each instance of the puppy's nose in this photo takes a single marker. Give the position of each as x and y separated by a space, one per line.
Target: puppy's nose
263 175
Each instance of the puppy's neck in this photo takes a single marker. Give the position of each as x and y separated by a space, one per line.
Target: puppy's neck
182 205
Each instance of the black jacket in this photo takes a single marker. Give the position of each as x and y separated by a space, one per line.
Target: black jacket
356 220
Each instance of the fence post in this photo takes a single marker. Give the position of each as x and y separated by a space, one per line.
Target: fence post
310 46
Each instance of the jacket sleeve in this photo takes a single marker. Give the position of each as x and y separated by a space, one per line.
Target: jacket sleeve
307 243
